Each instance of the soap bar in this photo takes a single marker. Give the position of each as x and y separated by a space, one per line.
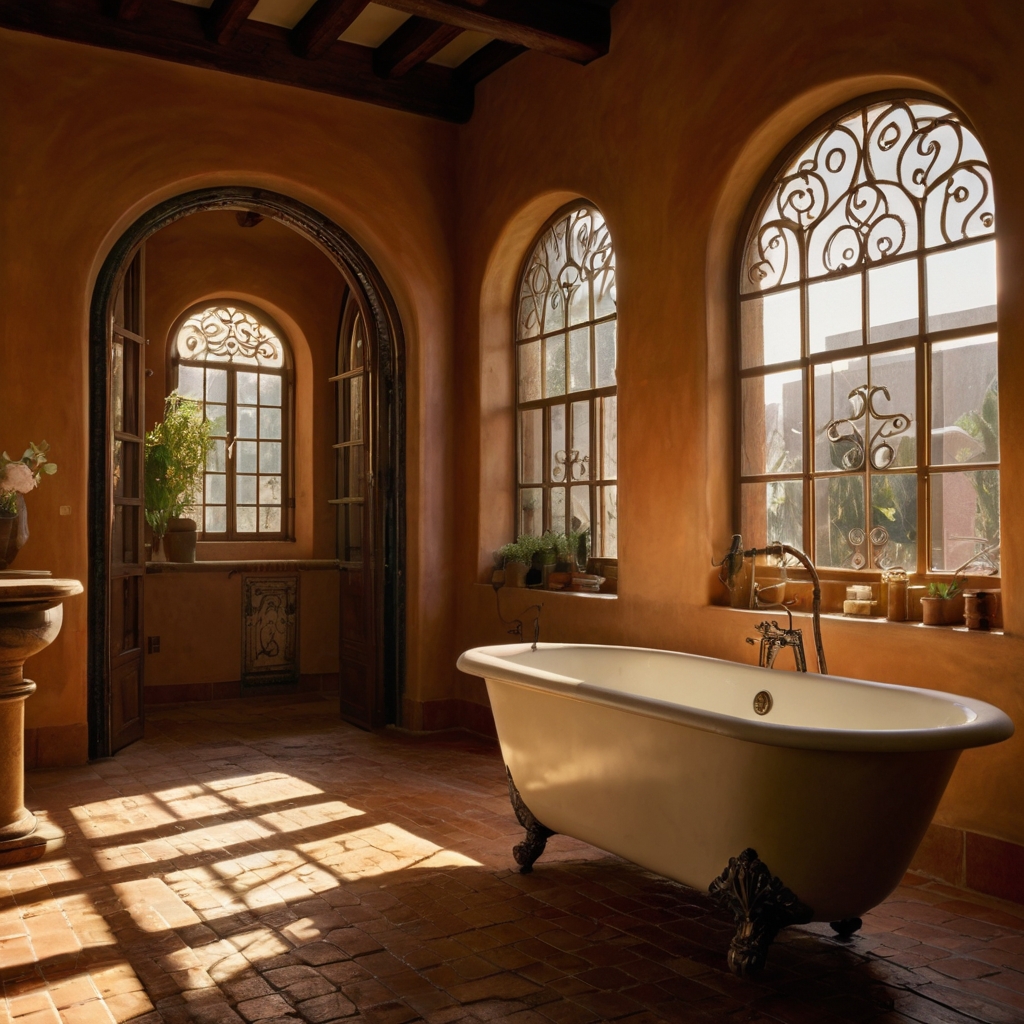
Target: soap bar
856 607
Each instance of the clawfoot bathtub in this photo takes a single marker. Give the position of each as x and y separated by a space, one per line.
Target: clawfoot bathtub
793 797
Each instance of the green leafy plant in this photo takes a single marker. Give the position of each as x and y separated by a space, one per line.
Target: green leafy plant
945 591
521 550
176 451
19 476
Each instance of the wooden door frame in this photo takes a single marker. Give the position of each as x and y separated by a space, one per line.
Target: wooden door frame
357 267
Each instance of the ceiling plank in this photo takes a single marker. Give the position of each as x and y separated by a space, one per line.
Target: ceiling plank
413 42
176 32
321 25
125 9
576 30
225 17
487 60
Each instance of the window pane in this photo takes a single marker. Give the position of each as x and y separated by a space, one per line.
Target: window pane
836 314
245 490
270 520
355 409
531 511
270 423
770 328
608 510
579 513
579 359
580 453
609 439
270 457
216 519
218 417
839 422
892 428
245 519
529 371
216 461
246 422
190 382
216 489
892 300
604 346
965 401
270 490
270 389
962 287
554 367
773 512
245 454
246 388
773 423
893 535
531 446
216 385
352 469
840 538
557 454
558 509
965 517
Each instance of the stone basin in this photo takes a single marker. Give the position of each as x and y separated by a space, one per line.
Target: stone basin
31 613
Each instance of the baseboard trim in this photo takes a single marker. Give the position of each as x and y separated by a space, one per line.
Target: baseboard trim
970 860
56 746
448 714
187 693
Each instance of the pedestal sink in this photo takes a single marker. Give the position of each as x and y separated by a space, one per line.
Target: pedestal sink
31 614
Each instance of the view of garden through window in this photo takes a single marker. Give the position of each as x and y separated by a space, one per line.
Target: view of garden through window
868 349
566 357
234 365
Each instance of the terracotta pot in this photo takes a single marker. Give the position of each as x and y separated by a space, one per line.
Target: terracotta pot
13 533
941 611
515 574
180 540
981 608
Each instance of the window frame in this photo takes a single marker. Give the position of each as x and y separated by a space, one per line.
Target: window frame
921 343
593 396
287 374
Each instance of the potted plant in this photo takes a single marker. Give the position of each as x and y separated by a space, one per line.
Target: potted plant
17 478
941 607
176 451
517 558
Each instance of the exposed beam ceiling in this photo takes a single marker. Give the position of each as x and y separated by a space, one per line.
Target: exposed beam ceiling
404 72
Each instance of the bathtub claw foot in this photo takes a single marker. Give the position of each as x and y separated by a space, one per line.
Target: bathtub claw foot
537 835
845 928
761 905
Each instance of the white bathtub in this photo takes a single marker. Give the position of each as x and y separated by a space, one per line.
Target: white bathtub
661 758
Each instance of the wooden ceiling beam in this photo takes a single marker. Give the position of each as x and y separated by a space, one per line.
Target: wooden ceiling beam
412 43
176 32
225 17
576 30
125 9
321 25
487 60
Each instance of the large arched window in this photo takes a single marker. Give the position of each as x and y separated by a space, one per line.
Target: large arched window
869 430
234 360
567 425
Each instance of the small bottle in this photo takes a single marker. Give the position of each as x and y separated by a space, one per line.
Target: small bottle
897 581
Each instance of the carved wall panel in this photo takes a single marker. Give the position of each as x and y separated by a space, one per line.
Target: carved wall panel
270 628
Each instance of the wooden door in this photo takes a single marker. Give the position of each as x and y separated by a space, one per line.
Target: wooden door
361 697
126 567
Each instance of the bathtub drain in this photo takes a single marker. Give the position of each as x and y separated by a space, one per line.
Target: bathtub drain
763 702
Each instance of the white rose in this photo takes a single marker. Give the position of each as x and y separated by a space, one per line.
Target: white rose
18 477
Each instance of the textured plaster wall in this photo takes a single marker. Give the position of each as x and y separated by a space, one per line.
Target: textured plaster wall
91 140
669 136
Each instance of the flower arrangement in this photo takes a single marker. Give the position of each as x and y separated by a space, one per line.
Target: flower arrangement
19 476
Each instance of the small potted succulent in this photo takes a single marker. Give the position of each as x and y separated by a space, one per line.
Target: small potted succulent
942 606
17 478
176 451
517 559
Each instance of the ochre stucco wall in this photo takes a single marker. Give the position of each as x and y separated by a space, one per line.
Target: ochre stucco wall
91 140
669 136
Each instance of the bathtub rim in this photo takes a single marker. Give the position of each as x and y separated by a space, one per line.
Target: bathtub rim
991 725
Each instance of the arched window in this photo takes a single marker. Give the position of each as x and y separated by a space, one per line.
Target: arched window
566 393
235 361
869 431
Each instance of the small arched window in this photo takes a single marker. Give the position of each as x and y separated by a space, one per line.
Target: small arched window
235 361
869 431
567 426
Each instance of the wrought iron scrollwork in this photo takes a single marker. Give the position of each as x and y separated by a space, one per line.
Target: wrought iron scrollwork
761 905
847 440
570 466
537 835
859 192
227 334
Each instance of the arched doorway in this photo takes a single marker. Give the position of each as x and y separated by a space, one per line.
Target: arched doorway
373 670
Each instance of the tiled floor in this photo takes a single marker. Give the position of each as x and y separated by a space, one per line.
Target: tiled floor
259 861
